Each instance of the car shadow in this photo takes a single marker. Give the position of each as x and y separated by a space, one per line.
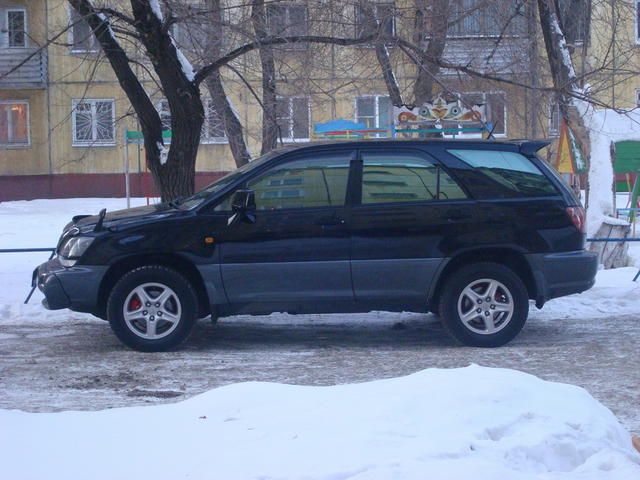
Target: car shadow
417 333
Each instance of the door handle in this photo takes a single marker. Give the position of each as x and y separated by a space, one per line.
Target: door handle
330 222
453 215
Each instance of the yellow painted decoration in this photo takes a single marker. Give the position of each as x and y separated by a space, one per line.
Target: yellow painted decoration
564 158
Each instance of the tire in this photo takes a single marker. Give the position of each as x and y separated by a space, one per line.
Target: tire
144 324
470 319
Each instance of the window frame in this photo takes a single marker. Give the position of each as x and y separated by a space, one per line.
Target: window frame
376 107
92 143
7 42
162 111
289 138
95 48
349 153
207 101
532 160
471 36
359 28
288 24
636 21
440 166
18 145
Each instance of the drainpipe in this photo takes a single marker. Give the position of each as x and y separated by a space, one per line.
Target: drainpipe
47 85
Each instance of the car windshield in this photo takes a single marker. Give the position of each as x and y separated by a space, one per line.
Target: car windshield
198 198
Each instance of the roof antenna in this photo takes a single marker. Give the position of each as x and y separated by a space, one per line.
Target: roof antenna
493 127
101 215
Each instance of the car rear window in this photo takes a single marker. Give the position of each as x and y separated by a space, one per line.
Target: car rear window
510 171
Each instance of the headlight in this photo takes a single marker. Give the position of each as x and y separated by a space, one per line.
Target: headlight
73 249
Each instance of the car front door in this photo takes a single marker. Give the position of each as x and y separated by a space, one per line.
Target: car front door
409 207
297 250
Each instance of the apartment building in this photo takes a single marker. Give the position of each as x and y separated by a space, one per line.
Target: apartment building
64 118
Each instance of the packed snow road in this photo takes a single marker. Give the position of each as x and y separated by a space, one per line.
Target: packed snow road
60 360
52 361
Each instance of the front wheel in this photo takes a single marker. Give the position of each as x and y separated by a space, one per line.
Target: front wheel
152 308
484 305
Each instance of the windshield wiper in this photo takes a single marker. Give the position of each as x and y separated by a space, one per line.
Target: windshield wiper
175 203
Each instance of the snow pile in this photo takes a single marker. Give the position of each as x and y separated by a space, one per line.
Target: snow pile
469 423
615 293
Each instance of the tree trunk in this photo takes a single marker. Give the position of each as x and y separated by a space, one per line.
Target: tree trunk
563 74
432 17
268 66
232 125
372 26
176 176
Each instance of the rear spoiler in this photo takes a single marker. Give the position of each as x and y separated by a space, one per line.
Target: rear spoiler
529 147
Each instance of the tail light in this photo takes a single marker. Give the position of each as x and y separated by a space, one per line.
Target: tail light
576 214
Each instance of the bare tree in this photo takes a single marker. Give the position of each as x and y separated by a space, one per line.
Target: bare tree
173 170
233 127
268 74
432 19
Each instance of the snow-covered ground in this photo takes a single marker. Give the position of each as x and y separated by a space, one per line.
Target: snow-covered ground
457 423
470 423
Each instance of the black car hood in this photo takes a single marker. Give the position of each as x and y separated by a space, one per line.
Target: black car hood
129 216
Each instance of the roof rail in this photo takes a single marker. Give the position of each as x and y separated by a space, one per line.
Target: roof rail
529 147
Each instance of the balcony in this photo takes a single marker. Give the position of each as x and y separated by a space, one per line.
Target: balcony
31 74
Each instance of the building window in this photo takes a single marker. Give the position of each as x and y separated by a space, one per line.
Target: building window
638 97
82 37
555 119
213 126
286 21
14 123
577 29
94 122
16 27
637 22
479 18
165 114
495 109
384 14
292 116
374 111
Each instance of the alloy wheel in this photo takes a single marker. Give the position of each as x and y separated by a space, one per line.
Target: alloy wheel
485 306
152 311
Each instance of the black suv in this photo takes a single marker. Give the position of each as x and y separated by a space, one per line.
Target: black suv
470 230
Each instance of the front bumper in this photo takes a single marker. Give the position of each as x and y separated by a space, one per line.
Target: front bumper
565 273
74 287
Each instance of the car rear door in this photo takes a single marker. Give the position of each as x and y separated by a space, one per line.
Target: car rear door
297 251
408 207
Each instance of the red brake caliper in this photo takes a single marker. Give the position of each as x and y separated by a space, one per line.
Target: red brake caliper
134 304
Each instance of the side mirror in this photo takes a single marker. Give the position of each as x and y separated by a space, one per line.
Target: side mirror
243 205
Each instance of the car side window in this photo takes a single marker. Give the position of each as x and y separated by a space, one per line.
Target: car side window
509 172
318 181
405 177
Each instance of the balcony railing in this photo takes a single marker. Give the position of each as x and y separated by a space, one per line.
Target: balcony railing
30 74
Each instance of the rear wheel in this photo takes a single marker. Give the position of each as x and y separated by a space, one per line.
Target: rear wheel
484 305
152 308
